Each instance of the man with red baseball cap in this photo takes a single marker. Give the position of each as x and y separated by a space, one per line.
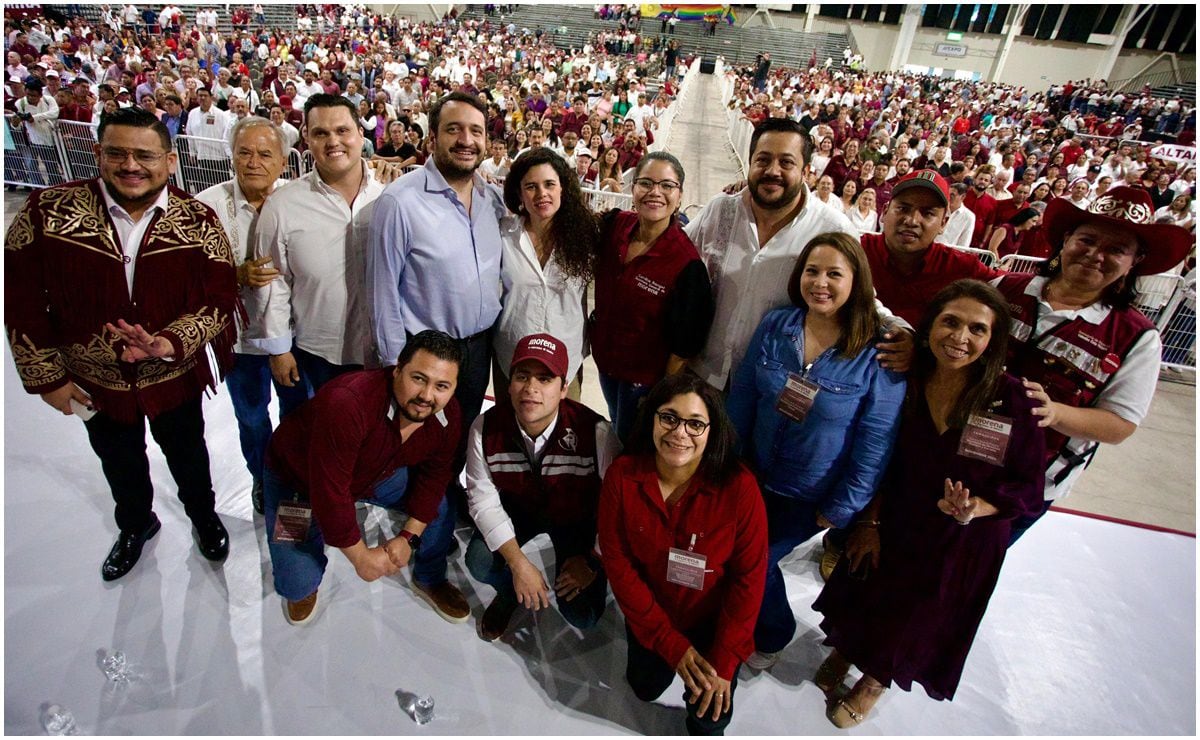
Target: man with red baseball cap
907 266
534 465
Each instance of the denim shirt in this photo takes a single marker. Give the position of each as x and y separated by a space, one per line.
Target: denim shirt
837 455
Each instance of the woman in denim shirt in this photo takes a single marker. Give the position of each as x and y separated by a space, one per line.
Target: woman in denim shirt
816 413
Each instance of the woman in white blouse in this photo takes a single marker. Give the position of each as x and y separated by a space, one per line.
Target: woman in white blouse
548 260
849 193
862 215
821 157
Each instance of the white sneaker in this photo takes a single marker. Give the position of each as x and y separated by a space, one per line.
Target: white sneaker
761 661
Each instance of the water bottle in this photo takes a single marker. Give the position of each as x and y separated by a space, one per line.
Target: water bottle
115 667
423 710
58 721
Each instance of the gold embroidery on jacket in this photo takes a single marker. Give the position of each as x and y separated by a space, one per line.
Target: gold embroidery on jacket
20 234
36 366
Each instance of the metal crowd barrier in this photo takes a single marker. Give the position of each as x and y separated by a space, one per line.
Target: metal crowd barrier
982 255
1020 263
1170 302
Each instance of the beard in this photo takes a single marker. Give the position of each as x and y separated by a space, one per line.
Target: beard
451 169
415 411
787 196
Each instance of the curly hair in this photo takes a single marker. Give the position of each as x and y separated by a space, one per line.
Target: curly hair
574 229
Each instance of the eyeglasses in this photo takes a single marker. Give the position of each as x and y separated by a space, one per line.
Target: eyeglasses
667 186
671 422
113 155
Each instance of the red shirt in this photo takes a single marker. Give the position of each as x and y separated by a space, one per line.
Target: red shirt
907 294
343 441
984 208
637 529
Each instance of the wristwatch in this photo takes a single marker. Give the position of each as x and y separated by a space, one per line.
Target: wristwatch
413 540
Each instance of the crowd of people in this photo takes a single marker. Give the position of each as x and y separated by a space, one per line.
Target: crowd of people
771 371
200 82
1007 151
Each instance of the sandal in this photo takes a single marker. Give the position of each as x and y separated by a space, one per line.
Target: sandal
831 673
843 716
829 558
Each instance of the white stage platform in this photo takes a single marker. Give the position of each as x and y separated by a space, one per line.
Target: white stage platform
1091 631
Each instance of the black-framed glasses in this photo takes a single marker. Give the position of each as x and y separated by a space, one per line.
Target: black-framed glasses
671 422
112 155
667 186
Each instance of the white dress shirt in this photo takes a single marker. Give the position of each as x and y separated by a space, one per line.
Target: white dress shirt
748 280
239 218
959 228
483 498
536 299
318 243
213 124
130 233
863 224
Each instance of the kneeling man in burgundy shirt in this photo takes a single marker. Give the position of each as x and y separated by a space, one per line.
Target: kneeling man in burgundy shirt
383 436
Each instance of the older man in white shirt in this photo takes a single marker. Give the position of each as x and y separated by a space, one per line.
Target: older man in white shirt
259 156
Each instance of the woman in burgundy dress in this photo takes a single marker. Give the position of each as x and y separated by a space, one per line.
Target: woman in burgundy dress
924 556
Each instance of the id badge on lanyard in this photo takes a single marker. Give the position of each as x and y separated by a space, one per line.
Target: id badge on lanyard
686 567
292 521
986 438
797 398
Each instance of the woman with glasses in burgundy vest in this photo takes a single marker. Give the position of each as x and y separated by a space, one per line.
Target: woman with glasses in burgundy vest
654 302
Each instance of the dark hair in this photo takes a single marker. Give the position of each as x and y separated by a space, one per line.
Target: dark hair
135 117
325 100
859 320
667 157
984 372
1121 293
574 228
787 126
439 344
1023 215
720 460
960 187
435 110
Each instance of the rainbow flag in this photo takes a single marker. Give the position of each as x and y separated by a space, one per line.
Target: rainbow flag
695 13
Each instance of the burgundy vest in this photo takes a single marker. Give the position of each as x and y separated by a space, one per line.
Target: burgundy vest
562 489
631 301
1073 361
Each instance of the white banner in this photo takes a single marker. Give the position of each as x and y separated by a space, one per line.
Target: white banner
1175 153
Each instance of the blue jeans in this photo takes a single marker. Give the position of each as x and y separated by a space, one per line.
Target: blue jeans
583 611
314 372
790 522
623 399
299 566
249 385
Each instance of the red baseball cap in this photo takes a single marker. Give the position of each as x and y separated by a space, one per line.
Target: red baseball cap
929 180
545 349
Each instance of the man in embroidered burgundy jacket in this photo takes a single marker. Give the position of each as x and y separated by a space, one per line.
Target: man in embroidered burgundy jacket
113 288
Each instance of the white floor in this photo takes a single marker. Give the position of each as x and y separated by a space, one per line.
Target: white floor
1092 630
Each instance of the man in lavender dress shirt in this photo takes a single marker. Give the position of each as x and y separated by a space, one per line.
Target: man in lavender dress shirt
433 258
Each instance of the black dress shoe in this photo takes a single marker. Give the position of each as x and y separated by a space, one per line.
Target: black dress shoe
128 548
256 496
212 538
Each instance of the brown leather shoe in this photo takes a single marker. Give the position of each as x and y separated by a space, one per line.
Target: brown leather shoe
496 618
446 600
300 612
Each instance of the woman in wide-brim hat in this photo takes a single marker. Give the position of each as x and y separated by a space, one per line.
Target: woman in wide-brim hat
1084 351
